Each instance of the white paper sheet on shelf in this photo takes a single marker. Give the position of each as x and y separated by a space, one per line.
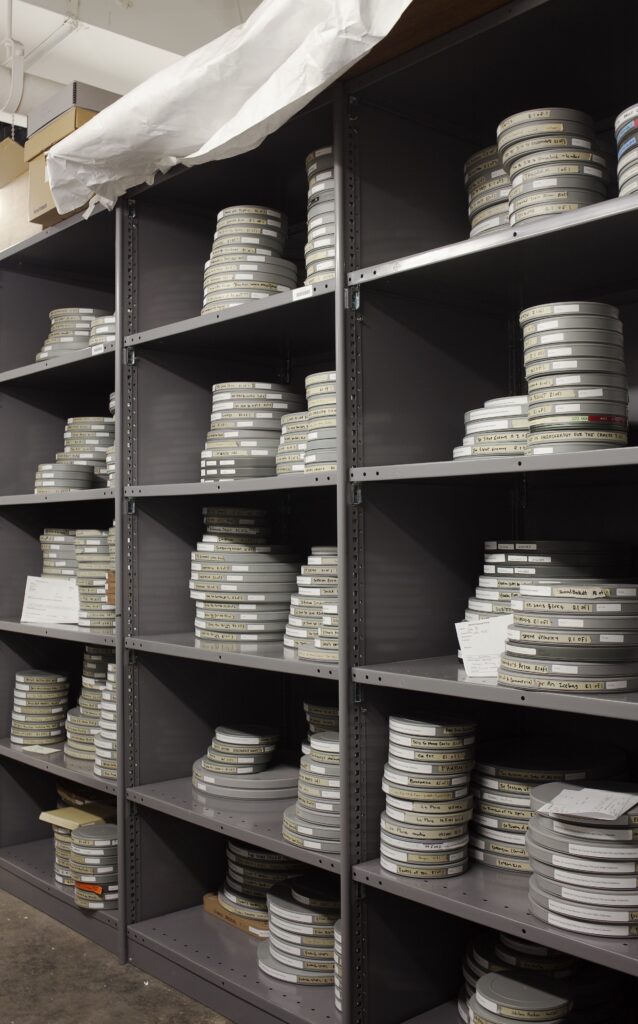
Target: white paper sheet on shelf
222 100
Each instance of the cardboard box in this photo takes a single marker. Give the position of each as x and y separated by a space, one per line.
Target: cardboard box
15 225
11 161
76 94
55 131
42 209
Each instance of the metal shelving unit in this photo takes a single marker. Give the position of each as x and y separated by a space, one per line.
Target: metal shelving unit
421 325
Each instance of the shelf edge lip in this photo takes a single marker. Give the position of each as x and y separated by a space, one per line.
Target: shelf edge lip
56 632
602 706
205 322
545 227
599 458
534 929
48 365
155 645
288 482
136 795
16 754
90 494
34 241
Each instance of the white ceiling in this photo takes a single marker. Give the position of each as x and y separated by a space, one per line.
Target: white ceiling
119 43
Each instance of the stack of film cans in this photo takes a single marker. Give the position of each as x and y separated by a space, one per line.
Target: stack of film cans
82 464
312 629
246 262
585 870
320 247
245 428
574 359
250 874
102 331
503 780
321 441
40 702
293 440
320 718
240 582
598 995
83 720
70 331
62 855
499 427
501 996
626 133
58 552
105 766
95 554
313 821
338 967
240 763
575 627
93 865
493 595
424 828
553 159
488 186
301 923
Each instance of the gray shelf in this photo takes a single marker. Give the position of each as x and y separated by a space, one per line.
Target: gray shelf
80 368
498 900
26 871
256 823
76 633
289 482
58 764
93 494
447 1013
266 657
605 458
584 249
445 677
243 324
226 958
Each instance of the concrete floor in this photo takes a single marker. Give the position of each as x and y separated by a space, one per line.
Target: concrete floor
51 975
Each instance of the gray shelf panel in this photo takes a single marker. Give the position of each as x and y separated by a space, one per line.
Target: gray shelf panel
226 958
81 367
257 823
26 871
447 1013
602 459
92 494
58 764
270 658
77 633
444 676
246 322
289 482
583 249
78 246
498 900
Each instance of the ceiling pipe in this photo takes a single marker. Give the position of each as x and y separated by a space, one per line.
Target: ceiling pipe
66 29
13 55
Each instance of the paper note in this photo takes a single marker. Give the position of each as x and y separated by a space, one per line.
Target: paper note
482 644
49 600
37 749
599 804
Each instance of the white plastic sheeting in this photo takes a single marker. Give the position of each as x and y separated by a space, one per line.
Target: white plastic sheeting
221 100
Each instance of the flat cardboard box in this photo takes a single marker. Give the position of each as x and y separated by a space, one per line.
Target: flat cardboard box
42 209
55 131
73 817
15 225
11 161
258 929
76 94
